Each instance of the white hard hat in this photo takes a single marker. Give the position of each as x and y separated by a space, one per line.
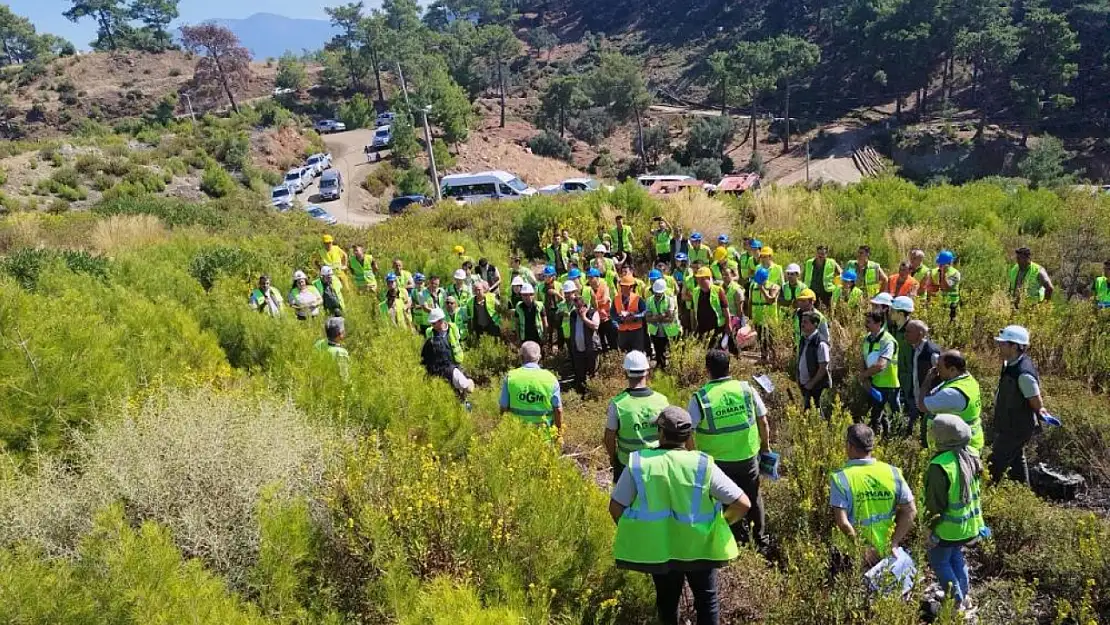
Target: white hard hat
436 315
659 286
569 286
636 362
299 275
460 274
883 298
793 268
903 303
527 289
325 271
601 248
517 281
1013 334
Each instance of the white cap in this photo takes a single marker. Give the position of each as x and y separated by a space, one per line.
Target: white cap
325 271
793 268
659 286
460 274
436 315
903 303
569 286
601 248
1013 334
299 275
517 281
883 298
636 362
527 289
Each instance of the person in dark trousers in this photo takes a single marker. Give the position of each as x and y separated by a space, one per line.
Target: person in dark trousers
925 356
1018 406
670 522
730 424
662 321
879 377
813 362
628 313
583 340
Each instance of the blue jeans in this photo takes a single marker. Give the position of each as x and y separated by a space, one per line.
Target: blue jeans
951 569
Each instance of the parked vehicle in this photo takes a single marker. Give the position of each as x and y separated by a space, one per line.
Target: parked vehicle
573 185
321 215
385 119
670 187
486 185
647 181
281 197
318 162
329 125
298 178
331 185
735 184
399 204
383 136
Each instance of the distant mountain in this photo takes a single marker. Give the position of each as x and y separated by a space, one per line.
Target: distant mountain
268 35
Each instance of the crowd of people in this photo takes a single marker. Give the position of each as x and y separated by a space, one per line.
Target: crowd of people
686 480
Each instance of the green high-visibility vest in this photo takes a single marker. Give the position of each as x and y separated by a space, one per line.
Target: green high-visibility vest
748 264
920 273
399 315
339 354
869 278
558 258
887 378
828 273
969 388
337 287
855 296
673 517
663 242
658 305
872 490
636 427
1102 291
491 308
530 393
727 430
763 311
951 296
701 253
718 271
731 291
1031 283
520 319
790 293
714 303
419 298
362 273
959 521
622 239
454 339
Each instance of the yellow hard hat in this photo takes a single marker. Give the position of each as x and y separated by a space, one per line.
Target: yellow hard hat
720 254
767 251
460 249
329 239
628 280
704 272
807 294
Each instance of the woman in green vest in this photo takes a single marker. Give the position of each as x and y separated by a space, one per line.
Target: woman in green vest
952 503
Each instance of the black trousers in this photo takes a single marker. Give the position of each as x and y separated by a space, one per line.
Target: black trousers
825 300
1007 459
668 594
618 468
662 345
746 475
490 330
584 364
608 333
663 256
632 340
812 399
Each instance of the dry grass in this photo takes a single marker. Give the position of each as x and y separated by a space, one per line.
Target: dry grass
127 231
20 230
788 208
693 211
905 238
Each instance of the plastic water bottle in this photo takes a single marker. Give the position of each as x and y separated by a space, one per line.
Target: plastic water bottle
1051 420
875 394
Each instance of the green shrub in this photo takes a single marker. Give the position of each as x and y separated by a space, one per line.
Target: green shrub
444 159
231 261
551 145
216 182
380 179
414 181
58 206
358 112
3 176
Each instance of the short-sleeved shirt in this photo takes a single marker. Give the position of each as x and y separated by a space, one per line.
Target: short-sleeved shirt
694 408
945 400
840 499
721 488
803 361
886 350
612 423
556 395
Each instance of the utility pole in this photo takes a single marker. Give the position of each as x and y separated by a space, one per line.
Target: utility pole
807 162
431 153
189 101
404 87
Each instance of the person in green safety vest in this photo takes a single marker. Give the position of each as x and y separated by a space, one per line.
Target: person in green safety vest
732 253
662 321
558 254
763 293
266 298
953 506
749 259
437 292
943 283
404 276
482 314
730 424
1100 291
918 270
820 275
721 264
532 394
630 418
807 302
331 290
956 392
879 377
528 316
661 237
335 331
869 275
672 509
847 295
396 306
442 354
791 288
698 251
603 238
461 289
517 270
622 241
573 249
364 269
871 503
422 303
455 314
1028 280
767 261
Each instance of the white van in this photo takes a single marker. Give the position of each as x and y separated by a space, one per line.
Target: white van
486 185
647 181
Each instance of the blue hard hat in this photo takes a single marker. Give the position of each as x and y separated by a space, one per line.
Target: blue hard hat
391 277
757 244
418 277
723 238
761 275
549 270
593 273
696 236
680 257
848 275
945 257
574 274
654 275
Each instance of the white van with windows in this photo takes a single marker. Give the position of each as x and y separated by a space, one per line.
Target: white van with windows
647 181
486 185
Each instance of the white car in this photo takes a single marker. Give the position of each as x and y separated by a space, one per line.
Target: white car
281 197
330 125
385 119
320 214
573 185
298 178
383 136
319 163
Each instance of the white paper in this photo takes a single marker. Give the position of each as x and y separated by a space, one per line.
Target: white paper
900 565
764 382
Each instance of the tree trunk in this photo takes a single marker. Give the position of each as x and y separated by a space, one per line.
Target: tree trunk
724 97
562 121
640 137
226 83
501 82
974 81
754 128
106 24
898 106
786 122
377 75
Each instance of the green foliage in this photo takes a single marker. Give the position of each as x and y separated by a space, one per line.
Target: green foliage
358 112
551 145
404 146
1043 166
414 181
381 178
656 142
290 73
561 101
708 139
445 160
210 264
216 182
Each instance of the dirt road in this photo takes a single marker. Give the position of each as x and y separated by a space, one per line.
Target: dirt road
353 208
836 165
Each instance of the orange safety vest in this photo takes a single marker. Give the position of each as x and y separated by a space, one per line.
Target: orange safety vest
633 304
601 300
907 288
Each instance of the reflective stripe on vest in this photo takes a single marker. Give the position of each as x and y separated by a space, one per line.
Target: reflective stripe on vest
362 272
657 307
636 427
530 392
727 430
869 278
1031 283
871 491
491 309
887 378
701 252
959 521
520 319
971 414
633 307
454 340
762 310
828 274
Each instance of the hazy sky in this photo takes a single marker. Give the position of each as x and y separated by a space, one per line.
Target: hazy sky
47 14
